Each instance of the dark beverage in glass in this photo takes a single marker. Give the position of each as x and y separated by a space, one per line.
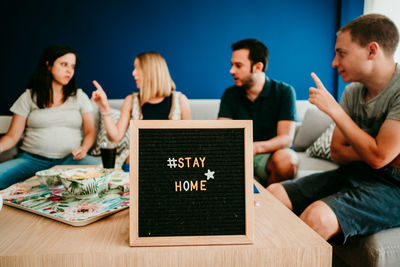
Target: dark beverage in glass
108 157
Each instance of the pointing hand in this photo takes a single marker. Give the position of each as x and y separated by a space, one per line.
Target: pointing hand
100 97
321 97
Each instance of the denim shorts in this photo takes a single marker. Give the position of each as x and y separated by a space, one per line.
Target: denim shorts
364 200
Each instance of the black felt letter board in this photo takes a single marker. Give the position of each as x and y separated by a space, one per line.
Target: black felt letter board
191 182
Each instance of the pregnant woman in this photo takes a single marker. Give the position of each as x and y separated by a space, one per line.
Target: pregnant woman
55 118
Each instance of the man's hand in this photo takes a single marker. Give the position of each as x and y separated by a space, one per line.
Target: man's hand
283 139
257 148
321 97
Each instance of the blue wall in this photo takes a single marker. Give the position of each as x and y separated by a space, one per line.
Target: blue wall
194 37
349 10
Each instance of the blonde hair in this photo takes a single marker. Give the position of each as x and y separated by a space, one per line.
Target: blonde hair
155 80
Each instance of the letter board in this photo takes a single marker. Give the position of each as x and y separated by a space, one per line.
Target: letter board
191 183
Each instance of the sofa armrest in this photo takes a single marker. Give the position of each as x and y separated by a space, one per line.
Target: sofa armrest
5 122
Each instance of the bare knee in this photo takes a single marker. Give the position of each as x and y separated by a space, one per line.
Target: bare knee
321 218
279 192
283 165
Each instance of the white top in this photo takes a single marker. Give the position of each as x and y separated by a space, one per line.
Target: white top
52 132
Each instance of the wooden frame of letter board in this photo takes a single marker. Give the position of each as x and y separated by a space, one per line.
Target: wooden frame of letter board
247 238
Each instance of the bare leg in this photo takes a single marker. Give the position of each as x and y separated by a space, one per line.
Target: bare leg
282 165
321 218
279 192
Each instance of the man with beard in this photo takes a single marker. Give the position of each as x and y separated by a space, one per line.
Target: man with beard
270 104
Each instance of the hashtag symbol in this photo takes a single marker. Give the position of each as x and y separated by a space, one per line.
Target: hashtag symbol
171 163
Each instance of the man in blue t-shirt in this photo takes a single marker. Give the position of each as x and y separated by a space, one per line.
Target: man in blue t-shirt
269 104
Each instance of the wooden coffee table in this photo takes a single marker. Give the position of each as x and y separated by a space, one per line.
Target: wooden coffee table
281 239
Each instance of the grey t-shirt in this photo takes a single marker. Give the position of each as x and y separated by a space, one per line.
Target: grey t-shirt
52 132
370 115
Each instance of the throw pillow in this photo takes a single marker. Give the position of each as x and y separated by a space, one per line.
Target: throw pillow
122 146
314 124
321 148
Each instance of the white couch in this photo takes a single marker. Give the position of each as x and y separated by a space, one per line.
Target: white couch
207 109
381 249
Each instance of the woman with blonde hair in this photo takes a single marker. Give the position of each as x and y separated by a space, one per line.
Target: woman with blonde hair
156 99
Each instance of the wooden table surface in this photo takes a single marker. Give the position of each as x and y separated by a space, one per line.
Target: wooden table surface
281 239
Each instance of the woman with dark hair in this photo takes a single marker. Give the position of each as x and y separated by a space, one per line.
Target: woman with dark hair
55 118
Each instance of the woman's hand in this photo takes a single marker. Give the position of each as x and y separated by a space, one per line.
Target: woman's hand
100 98
79 153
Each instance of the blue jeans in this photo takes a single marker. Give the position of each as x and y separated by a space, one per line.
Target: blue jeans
26 165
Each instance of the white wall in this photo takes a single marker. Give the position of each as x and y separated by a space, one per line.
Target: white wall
390 8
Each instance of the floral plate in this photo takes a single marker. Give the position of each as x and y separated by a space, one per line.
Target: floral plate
60 205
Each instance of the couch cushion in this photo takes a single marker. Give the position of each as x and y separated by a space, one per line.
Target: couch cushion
204 109
309 165
321 148
380 249
314 124
301 108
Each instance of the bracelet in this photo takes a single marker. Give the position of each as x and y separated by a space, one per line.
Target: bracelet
105 114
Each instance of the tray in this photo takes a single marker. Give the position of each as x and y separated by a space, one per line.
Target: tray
58 205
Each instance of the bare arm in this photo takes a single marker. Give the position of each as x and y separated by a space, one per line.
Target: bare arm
115 131
376 152
14 133
185 108
341 151
283 139
89 136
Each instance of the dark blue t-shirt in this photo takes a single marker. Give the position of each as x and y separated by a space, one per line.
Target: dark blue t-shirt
276 102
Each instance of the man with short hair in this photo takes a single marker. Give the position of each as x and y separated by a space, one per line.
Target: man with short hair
270 104
362 196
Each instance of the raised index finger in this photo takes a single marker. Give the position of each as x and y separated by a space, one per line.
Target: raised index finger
98 86
317 80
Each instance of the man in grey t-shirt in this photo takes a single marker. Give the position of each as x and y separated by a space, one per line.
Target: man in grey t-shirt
363 195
